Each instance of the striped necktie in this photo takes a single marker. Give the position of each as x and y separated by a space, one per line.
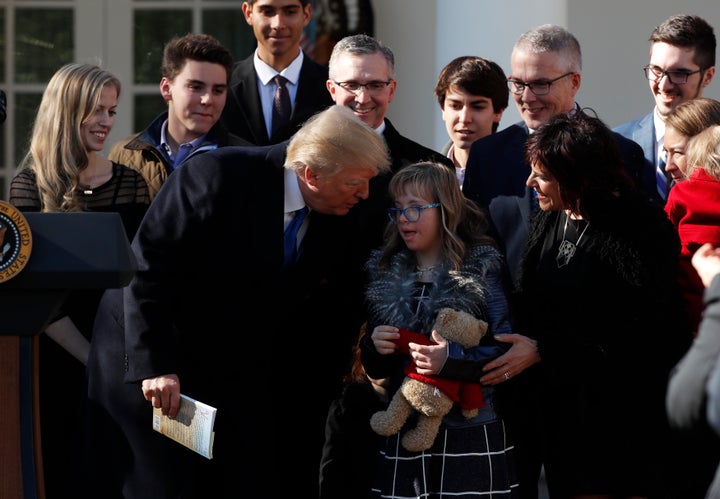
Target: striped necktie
662 179
281 105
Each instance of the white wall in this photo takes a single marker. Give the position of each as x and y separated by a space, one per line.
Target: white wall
426 34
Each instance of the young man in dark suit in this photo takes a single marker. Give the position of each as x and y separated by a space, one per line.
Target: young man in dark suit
278 27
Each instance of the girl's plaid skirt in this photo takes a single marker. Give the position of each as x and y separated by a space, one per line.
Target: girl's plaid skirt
463 462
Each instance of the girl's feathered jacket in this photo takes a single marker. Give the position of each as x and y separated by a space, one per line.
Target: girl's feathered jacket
389 297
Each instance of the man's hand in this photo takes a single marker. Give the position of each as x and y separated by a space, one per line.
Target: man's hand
164 393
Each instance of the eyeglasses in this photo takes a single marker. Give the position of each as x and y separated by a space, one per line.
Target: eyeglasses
411 213
373 87
654 73
536 87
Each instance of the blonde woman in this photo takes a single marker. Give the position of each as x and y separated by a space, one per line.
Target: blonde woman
63 171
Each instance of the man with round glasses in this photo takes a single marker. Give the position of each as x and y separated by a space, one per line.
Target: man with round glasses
546 73
682 65
545 76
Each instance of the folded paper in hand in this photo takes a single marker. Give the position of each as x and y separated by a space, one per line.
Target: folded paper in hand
192 427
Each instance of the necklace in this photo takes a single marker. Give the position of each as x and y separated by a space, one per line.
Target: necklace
567 249
426 274
94 179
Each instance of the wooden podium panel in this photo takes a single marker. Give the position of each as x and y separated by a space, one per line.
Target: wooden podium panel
21 474
69 251
10 462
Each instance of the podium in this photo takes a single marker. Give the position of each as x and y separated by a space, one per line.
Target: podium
69 251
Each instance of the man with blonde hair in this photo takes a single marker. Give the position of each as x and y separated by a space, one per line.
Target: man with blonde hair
214 312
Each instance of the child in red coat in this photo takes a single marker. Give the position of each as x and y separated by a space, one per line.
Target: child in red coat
693 206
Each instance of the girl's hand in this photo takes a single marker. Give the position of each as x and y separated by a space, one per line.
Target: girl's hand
383 337
430 359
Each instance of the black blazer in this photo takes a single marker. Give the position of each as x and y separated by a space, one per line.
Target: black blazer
243 115
495 179
218 309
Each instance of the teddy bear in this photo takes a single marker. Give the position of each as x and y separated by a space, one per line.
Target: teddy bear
432 396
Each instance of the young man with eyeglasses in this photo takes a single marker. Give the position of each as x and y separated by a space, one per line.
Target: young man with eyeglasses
546 66
682 65
278 28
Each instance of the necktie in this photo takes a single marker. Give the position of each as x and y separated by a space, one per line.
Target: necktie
281 104
291 251
662 179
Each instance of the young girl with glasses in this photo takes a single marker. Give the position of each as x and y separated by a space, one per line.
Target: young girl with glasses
437 254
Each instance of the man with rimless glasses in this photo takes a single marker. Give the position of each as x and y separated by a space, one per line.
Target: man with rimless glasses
545 76
362 77
682 64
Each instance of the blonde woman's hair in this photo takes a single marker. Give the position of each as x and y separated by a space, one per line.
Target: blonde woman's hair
57 153
334 139
693 116
703 151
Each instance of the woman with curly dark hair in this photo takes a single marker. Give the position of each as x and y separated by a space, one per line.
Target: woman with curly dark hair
597 290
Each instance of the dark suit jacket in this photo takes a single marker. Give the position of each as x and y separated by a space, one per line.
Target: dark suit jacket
495 178
243 115
217 309
642 131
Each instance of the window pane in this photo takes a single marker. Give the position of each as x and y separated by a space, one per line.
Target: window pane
2 80
147 107
230 28
152 29
2 160
2 46
26 106
40 51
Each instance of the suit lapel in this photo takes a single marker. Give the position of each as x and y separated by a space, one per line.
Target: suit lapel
268 208
307 100
644 135
246 92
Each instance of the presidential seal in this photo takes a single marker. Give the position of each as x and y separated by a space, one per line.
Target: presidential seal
15 241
